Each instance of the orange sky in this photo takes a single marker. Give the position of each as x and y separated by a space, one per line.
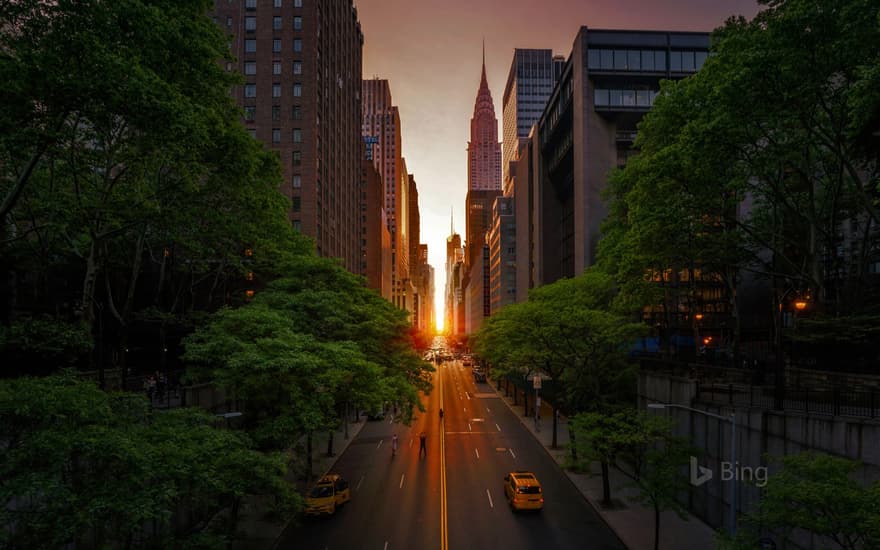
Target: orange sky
430 51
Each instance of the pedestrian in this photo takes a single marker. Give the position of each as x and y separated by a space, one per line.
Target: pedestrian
422 447
393 445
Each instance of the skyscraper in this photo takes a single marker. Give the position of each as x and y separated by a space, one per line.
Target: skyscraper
484 150
313 123
530 82
484 184
381 129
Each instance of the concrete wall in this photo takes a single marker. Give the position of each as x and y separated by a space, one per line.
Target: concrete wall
761 436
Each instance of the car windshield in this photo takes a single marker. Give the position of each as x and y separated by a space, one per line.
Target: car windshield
532 490
322 491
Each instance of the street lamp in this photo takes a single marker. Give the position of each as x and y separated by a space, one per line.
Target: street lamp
732 420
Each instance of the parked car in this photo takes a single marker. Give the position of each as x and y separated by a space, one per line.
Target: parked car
479 375
330 492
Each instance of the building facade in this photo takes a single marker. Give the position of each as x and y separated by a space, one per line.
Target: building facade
502 255
381 130
530 81
587 129
301 64
376 254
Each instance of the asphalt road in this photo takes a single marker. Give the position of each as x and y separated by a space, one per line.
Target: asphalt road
400 502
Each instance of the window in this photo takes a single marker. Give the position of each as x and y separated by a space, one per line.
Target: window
634 60
250 90
601 97
250 45
607 59
297 113
276 135
297 226
648 60
297 90
250 67
297 135
228 21
297 181
297 158
252 132
297 23
297 44
297 67
277 3
250 24
276 23
229 66
276 90
700 59
276 45
297 204
276 67
687 62
297 3
276 112
675 61
250 4
250 112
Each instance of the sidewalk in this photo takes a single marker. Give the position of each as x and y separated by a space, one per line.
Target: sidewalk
257 528
632 522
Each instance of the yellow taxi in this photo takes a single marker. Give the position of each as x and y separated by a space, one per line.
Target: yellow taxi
328 493
523 491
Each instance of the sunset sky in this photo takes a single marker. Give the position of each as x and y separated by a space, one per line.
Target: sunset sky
430 51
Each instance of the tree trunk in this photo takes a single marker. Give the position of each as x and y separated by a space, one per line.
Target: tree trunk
309 456
330 434
656 527
606 484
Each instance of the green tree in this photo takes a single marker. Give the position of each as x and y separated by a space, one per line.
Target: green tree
756 163
568 331
87 467
639 446
307 345
816 493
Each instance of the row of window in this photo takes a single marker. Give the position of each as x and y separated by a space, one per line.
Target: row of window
250 45
250 23
250 90
624 98
252 4
296 135
250 67
250 112
645 60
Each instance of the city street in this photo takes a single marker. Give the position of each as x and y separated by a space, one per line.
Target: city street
401 502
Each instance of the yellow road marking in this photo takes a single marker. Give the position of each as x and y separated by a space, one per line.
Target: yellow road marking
444 536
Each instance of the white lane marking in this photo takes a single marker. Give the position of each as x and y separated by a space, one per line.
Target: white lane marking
410 441
511 452
359 483
465 409
380 443
468 395
469 427
499 427
392 419
477 452
491 505
487 410
386 545
401 480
